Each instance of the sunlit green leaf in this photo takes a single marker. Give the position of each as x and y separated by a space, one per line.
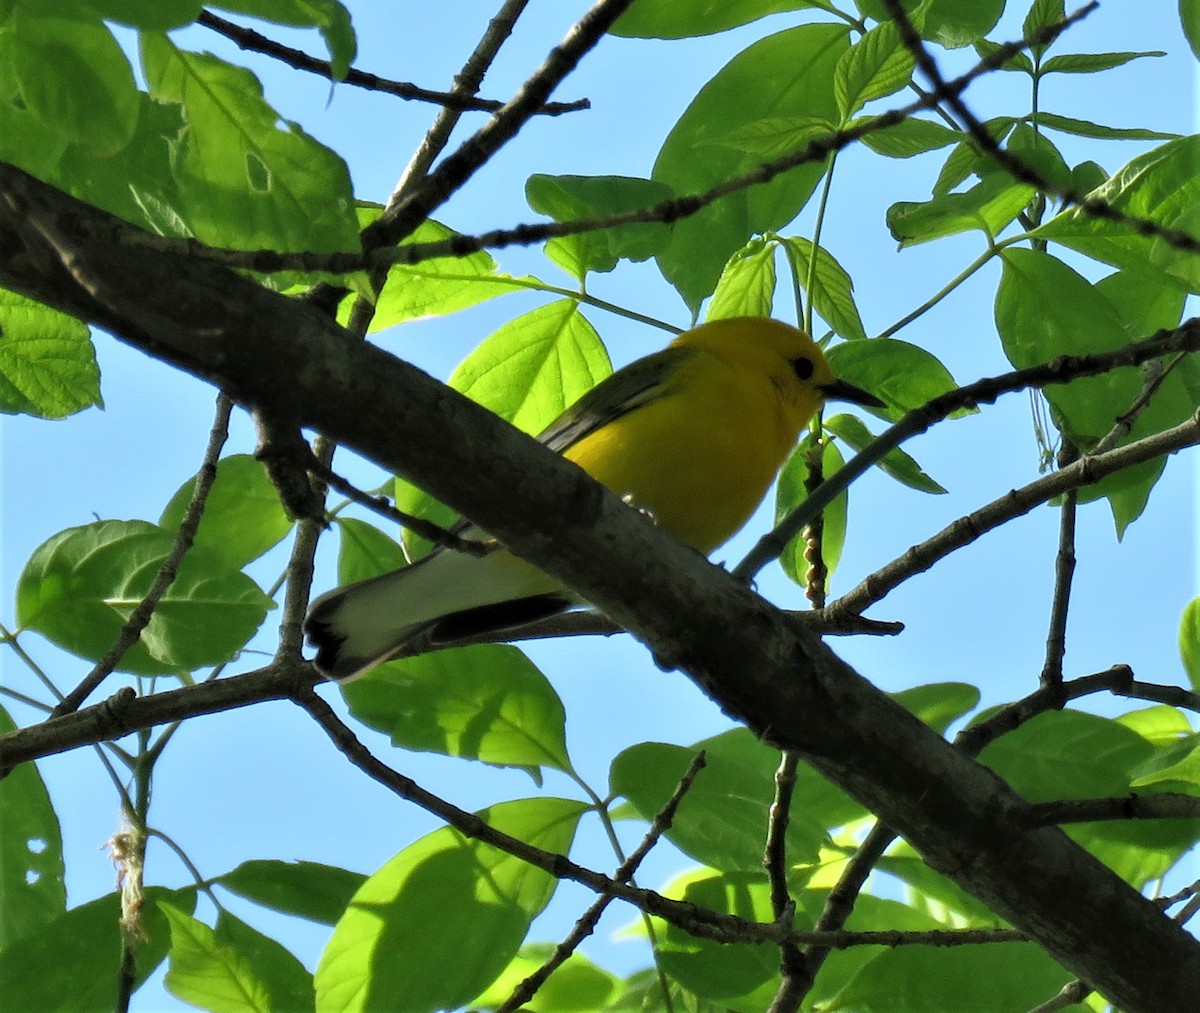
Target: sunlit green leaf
875 66
535 366
746 287
247 178
158 16
47 362
949 23
1085 128
573 198
72 962
206 973
791 490
309 890
242 517
365 551
1042 14
904 375
787 74
721 819
989 205
439 921
1189 641
80 587
488 702
669 19
895 462
911 136
576 986
1162 186
32 890
829 286
436 287
96 104
1090 63
328 16
966 979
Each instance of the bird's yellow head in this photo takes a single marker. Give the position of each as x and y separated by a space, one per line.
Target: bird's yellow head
794 362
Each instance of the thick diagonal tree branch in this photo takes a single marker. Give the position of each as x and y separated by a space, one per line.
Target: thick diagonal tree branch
766 670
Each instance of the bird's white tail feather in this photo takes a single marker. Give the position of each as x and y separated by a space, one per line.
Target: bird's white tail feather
357 626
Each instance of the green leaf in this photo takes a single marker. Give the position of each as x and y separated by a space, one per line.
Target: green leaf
721 820
966 979
949 23
1090 63
790 491
1037 153
1189 19
669 19
789 74
716 970
438 922
818 799
829 287
939 704
436 287
80 586
965 158
71 963
205 973
1189 641
309 890
364 551
487 702
1073 317
1067 754
32 891
95 104
989 205
329 16
774 136
910 137
895 462
574 198
904 375
935 894
242 517
576 986
246 178
875 66
535 366
1017 62
162 15
746 287
1161 725
47 362
1161 185
1086 176
289 986
1042 14
1085 128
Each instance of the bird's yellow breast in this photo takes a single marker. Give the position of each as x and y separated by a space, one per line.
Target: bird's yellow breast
700 457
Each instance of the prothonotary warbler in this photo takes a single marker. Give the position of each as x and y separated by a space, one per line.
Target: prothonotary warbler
692 435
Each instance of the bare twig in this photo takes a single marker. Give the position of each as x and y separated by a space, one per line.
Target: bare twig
1064 571
1013 504
248 39
787 998
586 924
1161 806
131 631
1186 337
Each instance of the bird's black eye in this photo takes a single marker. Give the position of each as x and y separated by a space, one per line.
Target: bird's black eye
803 368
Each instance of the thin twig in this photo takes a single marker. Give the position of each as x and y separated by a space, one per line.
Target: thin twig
1065 368
966 530
248 39
1064 572
586 924
138 620
381 505
787 998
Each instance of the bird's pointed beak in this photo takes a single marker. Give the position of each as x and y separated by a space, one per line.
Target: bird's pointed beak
840 390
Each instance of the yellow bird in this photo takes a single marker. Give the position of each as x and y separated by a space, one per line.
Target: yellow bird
692 435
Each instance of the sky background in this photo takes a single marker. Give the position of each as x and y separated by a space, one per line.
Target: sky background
265 781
